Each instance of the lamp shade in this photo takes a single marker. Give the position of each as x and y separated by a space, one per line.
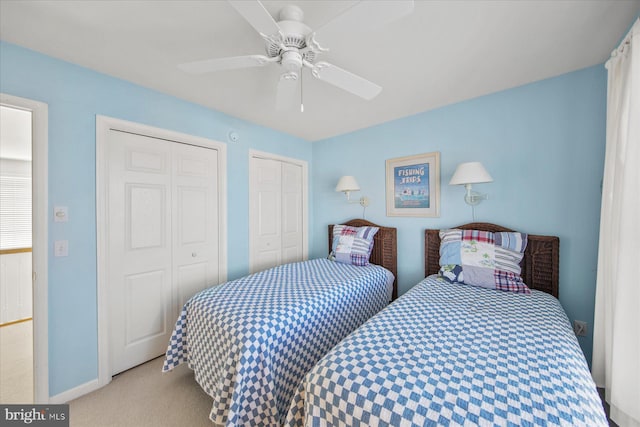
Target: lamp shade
470 173
347 183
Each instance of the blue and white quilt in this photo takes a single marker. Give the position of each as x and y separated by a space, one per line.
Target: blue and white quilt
448 354
251 341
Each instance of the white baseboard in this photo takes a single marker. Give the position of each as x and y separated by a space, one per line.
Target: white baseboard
75 392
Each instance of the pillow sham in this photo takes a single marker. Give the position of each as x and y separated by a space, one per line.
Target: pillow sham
482 258
352 245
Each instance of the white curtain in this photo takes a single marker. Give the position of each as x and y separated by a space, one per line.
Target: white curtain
616 346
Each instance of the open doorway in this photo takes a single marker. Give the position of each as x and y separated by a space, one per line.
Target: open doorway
23 251
16 310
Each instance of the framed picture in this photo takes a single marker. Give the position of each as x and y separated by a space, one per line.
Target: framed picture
413 185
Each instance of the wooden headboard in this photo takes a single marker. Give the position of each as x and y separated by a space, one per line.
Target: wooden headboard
540 264
385 247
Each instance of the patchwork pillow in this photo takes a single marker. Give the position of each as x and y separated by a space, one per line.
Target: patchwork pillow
352 245
482 258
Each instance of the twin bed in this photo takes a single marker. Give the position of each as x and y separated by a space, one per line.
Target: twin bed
250 341
442 354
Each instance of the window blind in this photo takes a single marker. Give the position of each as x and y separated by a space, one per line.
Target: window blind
15 212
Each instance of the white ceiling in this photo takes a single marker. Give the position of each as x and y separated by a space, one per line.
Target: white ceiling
444 52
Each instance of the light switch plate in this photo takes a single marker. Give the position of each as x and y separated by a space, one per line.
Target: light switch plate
60 214
61 248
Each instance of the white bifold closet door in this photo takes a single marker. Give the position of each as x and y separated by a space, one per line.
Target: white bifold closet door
276 211
163 233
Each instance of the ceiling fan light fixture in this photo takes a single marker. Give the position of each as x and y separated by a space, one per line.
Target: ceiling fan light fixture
291 60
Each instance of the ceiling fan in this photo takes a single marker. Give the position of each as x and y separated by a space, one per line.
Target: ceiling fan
294 46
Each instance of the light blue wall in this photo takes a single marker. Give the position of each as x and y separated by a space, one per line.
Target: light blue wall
543 143
74 96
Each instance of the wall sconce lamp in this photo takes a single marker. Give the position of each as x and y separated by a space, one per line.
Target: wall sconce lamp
347 184
471 173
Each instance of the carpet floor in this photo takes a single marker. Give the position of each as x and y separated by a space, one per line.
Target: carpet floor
144 396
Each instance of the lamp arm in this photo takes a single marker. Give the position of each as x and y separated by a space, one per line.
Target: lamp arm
363 201
468 197
473 197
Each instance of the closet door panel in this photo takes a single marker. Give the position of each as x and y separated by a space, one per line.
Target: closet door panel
140 250
265 210
195 226
291 213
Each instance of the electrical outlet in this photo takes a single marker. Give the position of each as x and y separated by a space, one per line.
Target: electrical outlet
580 328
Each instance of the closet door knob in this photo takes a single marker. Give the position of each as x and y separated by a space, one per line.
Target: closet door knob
193 254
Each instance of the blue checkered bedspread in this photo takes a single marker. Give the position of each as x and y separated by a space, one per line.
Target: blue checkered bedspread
449 354
250 341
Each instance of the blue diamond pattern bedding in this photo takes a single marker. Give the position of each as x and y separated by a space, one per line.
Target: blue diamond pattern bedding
447 354
250 341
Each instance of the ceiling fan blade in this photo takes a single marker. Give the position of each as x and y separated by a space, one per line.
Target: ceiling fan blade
345 80
363 16
256 14
218 64
287 90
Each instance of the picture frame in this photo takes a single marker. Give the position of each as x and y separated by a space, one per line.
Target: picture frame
413 185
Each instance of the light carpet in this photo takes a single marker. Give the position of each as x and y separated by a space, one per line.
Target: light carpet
144 396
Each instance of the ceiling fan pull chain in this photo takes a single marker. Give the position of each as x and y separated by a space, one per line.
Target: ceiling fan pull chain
301 103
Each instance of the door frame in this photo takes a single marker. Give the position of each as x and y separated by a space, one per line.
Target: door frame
305 200
103 126
39 241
